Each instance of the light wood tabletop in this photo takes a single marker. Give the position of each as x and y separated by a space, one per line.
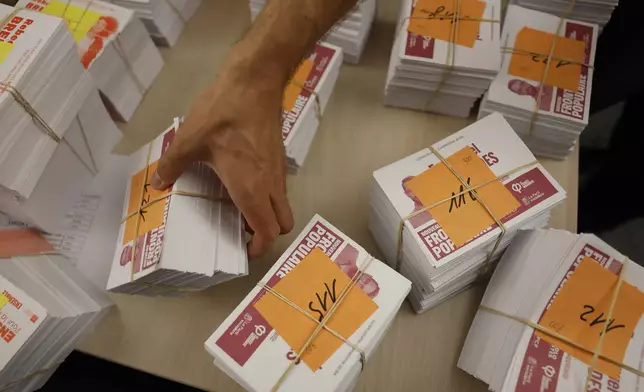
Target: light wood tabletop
357 136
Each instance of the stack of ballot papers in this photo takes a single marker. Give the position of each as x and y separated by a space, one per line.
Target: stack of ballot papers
47 155
444 249
164 19
566 283
46 308
350 33
113 45
590 11
564 106
428 72
88 233
305 99
323 273
178 240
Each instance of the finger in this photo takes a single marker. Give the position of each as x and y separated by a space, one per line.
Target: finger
175 159
249 229
265 227
283 212
258 212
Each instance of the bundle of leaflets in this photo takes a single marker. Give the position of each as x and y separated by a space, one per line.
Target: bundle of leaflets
46 308
322 274
589 11
164 19
548 114
580 289
439 65
179 240
113 45
56 133
350 33
449 235
88 234
305 100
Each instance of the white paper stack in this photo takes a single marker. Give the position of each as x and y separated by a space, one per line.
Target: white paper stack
590 11
565 282
311 85
38 175
113 45
563 114
439 267
419 64
88 234
164 19
180 243
350 33
259 339
46 308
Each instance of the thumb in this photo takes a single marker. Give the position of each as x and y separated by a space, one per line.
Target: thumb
172 163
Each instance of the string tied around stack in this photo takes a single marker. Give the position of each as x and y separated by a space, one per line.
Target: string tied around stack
39 120
549 58
145 204
118 45
450 58
320 324
597 351
467 189
318 107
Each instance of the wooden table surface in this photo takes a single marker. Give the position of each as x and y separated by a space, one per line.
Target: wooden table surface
358 135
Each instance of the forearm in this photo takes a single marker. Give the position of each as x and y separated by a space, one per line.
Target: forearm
286 30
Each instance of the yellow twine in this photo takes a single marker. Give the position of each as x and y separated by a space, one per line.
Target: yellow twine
318 106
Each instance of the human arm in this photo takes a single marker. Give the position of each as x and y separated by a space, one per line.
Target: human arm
234 126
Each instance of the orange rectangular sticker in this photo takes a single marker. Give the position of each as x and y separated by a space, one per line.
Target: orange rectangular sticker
315 285
580 312
435 18
152 215
463 217
21 241
293 90
531 55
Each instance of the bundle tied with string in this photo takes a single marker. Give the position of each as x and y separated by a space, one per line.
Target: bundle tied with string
325 302
144 205
442 25
468 189
6 86
88 24
320 325
549 58
566 343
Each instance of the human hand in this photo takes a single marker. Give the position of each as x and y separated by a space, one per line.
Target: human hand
234 127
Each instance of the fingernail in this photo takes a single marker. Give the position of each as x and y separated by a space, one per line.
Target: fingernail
157 182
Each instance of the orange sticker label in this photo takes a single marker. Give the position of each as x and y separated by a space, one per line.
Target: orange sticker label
294 87
315 285
435 18
152 216
462 216
21 241
532 48
580 313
